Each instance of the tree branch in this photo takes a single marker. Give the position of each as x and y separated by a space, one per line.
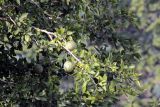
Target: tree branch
50 34
50 37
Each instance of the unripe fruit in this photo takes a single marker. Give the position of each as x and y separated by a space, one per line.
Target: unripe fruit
38 68
70 45
68 66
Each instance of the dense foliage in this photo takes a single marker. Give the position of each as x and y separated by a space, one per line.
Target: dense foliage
40 68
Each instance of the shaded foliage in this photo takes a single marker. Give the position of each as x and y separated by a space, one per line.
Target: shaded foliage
32 42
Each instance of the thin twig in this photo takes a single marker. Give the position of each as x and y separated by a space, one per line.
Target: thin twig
12 20
50 37
10 5
71 54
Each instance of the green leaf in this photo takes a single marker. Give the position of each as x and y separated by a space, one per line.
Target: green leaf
17 31
69 33
41 98
132 67
156 40
23 17
84 85
76 87
27 38
96 64
61 30
43 1
67 2
18 2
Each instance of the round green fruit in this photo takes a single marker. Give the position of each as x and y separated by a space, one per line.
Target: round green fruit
38 68
70 45
68 66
